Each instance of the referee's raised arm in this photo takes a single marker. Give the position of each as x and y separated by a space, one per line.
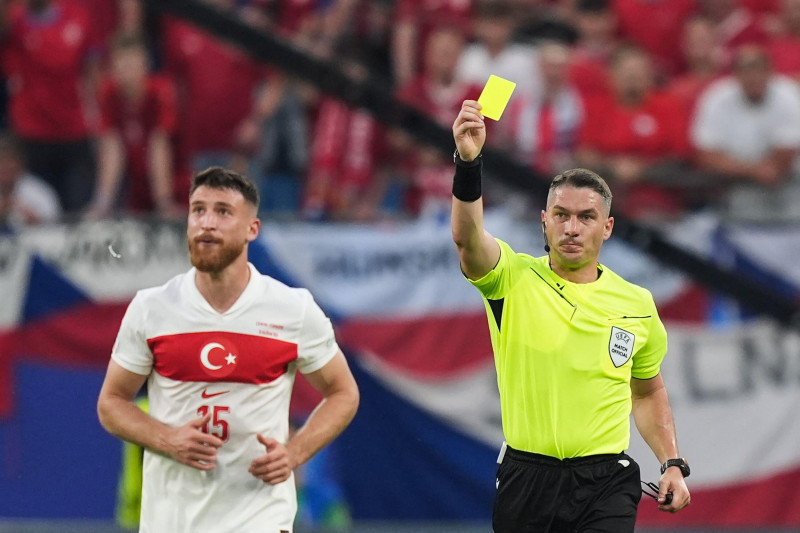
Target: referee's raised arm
477 249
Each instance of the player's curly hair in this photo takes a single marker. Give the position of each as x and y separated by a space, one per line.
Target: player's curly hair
223 178
582 177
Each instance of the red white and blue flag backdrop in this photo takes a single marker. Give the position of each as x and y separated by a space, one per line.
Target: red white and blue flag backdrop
424 443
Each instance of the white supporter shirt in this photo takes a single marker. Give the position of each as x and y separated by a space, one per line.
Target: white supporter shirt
240 367
726 121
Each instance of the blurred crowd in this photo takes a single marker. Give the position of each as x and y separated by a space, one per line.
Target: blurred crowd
682 105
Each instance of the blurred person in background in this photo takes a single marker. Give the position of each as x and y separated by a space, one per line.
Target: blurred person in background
139 168
655 26
219 348
734 25
566 391
637 138
704 59
50 58
25 199
438 93
415 20
596 23
348 150
746 134
784 48
544 129
221 122
493 51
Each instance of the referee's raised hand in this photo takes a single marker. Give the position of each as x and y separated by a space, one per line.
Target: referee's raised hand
469 130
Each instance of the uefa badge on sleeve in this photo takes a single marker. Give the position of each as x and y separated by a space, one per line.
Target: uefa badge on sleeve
620 346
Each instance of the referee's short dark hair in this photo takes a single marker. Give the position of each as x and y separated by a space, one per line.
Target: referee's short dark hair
223 178
583 178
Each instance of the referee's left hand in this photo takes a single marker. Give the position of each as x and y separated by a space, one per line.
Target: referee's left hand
672 481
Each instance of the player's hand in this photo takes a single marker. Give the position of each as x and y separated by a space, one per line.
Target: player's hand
190 446
672 481
274 467
469 130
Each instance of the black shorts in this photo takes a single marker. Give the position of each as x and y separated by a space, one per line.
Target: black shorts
539 494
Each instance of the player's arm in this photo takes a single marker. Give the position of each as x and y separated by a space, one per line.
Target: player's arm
120 416
339 403
477 249
653 416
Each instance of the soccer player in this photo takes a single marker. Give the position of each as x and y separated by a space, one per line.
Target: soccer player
576 349
219 347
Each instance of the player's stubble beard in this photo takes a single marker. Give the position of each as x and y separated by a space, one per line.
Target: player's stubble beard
214 260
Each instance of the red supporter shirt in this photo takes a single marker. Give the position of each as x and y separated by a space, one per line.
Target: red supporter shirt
654 129
43 59
785 55
589 74
135 122
346 144
686 90
656 26
217 84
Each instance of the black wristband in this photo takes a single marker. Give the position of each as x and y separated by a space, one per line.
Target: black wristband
467 179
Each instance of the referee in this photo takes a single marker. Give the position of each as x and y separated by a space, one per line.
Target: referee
577 349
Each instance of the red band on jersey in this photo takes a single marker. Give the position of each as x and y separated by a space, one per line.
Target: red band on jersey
221 356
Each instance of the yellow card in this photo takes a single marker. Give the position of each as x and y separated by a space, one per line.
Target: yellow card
495 96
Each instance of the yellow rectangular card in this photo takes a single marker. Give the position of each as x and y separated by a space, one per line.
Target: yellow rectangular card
495 96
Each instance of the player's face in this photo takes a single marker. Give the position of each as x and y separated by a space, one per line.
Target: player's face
576 224
221 224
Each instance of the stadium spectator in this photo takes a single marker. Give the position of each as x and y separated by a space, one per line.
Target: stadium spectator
545 128
437 93
784 48
655 25
596 24
219 118
313 24
704 58
415 20
347 152
25 199
48 59
139 168
493 51
734 25
747 133
637 138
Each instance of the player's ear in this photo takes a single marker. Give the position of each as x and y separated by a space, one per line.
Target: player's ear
253 230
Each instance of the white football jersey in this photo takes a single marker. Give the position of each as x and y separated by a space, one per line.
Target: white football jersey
239 366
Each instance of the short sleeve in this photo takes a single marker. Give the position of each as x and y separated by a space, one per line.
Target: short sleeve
647 361
708 129
131 350
499 281
317 344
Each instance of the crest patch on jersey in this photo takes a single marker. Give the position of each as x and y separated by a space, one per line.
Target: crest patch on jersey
620 346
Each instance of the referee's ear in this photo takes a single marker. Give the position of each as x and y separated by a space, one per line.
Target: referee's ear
608 228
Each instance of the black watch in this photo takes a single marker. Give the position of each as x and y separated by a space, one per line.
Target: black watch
680 463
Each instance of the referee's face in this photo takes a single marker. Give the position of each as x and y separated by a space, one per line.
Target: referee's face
576 224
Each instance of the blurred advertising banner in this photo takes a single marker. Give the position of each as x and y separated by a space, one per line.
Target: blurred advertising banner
426 437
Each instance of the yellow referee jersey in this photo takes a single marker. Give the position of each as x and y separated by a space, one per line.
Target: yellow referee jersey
565 353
